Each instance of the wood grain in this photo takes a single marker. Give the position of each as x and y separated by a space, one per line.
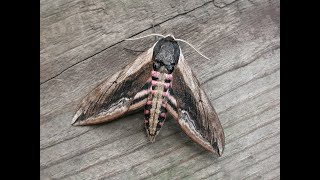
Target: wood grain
82 43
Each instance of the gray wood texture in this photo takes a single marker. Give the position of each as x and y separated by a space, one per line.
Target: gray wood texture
82 42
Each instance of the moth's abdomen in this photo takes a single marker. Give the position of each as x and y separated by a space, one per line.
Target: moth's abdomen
155 108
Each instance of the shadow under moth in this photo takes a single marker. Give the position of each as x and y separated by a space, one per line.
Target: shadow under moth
160 81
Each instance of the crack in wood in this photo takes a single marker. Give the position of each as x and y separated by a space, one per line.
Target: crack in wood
222 5
99 52
251 121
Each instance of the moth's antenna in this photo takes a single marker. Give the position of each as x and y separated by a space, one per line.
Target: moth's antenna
131 39
192 48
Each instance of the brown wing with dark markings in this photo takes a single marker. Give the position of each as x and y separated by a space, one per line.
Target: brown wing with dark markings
116 95
193 110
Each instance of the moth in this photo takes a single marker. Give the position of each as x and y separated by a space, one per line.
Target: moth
160 81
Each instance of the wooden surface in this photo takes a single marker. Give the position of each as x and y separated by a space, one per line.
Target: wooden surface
82 42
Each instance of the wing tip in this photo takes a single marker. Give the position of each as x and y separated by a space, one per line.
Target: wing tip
217 148
75 119
74 122
220 148
217 151
220 152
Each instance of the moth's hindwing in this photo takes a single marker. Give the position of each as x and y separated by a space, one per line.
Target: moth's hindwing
189 105
118 94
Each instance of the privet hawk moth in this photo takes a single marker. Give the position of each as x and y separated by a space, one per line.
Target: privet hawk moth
161 81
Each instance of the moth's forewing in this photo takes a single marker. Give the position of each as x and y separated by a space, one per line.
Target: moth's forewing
193 110
129 89
117 95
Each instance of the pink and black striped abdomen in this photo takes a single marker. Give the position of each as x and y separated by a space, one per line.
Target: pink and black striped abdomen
156 106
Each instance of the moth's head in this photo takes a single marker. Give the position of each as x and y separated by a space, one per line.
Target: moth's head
166 54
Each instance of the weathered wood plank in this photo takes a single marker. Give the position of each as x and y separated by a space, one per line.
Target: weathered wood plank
131 143
73 30
241 80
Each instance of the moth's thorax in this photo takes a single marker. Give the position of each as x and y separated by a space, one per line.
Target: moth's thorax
155 109
166 54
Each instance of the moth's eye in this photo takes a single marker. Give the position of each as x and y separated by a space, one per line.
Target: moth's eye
156 66
170 69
